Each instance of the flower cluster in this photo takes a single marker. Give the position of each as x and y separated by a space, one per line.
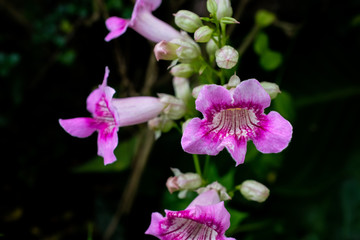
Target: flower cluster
233 113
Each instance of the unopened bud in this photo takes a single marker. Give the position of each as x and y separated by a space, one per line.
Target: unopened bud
271 88
161 123
211 47
182 88
183 181
165 50
184 70
254 191
187 20
233 82
211 6
188 49
223 9
221 190
203 34
174 107
226 57
196 90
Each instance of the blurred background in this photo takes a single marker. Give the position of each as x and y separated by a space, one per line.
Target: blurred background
53 186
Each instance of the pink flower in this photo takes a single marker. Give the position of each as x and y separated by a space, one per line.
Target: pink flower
231 118
205 218
108 114
143 22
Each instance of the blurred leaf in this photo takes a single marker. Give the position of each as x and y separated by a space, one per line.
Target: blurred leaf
270 60
236 217
124 153
264 18
261 43
8 62
67 57
172 201
66 26
284 104
114 5
350 204
228 179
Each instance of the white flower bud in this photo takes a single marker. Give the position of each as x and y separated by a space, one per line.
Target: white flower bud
226 57
271 88
183 181
174 107
255 191
224 9
182 88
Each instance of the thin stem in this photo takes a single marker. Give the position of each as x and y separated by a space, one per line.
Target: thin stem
197 165
248 40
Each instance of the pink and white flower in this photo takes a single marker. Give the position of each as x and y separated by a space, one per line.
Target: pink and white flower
231 118
143 22
205 218
108 114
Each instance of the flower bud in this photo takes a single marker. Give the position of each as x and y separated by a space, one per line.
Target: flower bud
233 82
226 57
182 88
223 9
184 70
196 90
187 20
188 49
174 107
183 181
211 47
218 187
253 190
161 123
165 50
203 34
211 6
271 88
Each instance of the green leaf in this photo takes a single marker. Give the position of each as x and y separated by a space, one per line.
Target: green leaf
228 20
124 153
228 179
261 43
284 104
236 218
264 18
270 60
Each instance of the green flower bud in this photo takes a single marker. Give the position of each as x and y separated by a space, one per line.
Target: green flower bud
188 49
187 20
165 50
203 34
184 70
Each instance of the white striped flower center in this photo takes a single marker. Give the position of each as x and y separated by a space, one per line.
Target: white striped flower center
182 228
234 121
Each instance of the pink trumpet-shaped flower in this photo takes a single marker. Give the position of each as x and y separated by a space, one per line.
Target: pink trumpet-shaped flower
231 118
205 218
108 114
143 22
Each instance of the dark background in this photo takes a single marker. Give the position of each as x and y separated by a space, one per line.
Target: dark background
52 55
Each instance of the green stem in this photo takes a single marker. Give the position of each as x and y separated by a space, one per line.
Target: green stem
197 165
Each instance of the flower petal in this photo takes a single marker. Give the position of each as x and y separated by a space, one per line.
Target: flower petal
154 228
135 110
151 27
197 140
117 26
78 127
276 135
212 98
205 198
236 147
107 142
250 92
